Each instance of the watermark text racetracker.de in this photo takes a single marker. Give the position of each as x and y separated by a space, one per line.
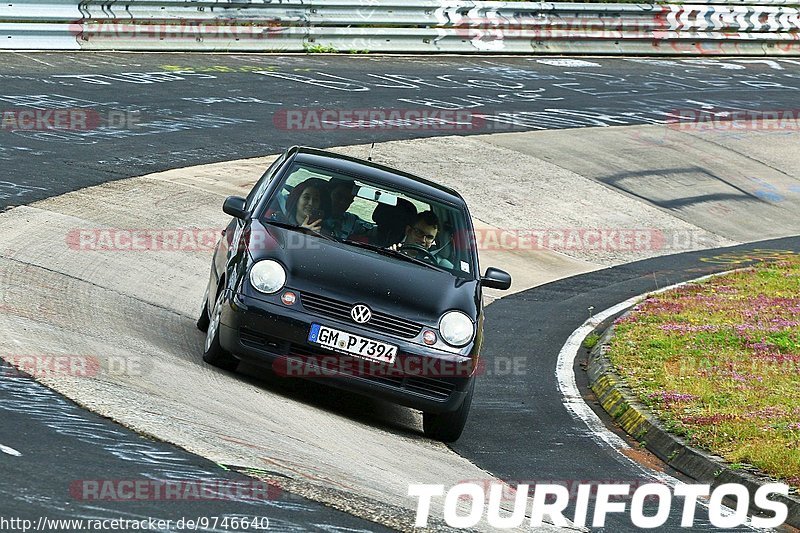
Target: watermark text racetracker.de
73 365
183 29
620 239
171 490
66 119
446 116
732 120
415 119
333 366
647 505
496 239
144 239
585 239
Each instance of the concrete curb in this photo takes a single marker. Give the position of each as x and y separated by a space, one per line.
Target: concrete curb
635 418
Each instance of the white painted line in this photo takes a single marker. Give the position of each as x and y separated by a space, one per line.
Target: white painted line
9 451
566 377
581 410
34 59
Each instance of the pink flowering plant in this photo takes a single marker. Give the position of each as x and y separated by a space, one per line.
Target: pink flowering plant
719 363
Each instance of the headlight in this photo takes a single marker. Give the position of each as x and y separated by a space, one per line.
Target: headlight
456 328
267 276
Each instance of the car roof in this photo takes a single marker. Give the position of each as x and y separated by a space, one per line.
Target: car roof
358 167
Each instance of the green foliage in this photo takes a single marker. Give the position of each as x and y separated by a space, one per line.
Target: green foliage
315 48
719 362
591 341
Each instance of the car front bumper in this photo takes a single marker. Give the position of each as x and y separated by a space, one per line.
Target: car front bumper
276 336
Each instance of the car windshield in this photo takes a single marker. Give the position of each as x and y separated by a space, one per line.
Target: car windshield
370 215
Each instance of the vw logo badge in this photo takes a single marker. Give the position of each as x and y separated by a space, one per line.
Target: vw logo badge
361 313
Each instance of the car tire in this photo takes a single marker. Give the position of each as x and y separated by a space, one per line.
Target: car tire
213 353
447 427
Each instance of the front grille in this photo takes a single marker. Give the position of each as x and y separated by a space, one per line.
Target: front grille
433 388
380 322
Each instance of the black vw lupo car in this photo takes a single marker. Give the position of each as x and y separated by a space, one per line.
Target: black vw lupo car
357 275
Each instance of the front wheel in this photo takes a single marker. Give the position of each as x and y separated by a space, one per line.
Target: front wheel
447 427
213 353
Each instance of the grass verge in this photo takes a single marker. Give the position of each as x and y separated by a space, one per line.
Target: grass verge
718 362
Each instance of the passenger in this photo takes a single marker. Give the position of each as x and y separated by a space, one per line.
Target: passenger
422 232
340 223
391 222
304 205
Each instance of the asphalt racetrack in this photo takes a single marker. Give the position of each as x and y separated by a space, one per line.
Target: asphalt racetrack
153 112
192 109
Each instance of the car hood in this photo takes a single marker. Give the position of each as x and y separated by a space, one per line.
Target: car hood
353 275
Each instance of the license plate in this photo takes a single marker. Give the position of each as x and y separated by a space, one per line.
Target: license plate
344 342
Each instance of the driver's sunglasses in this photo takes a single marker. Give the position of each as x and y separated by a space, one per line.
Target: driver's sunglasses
422 235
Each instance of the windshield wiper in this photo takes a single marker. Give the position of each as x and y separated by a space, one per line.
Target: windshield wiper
307 231
393 253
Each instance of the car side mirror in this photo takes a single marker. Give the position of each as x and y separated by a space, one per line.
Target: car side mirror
235 206
496 279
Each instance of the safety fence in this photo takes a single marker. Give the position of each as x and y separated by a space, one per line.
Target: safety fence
411 26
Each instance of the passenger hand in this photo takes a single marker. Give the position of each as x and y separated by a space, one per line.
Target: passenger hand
316 225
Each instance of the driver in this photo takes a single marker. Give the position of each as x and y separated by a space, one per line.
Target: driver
422 232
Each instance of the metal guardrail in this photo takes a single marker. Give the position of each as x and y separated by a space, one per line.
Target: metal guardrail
716 27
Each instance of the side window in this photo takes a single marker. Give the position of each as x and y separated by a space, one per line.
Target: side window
261 187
